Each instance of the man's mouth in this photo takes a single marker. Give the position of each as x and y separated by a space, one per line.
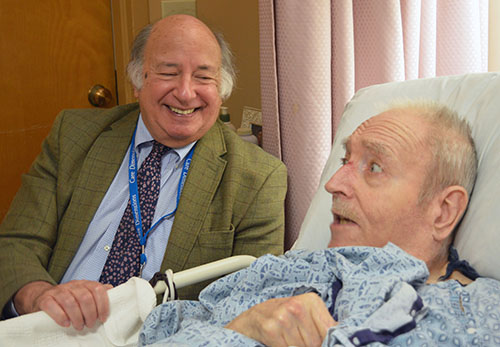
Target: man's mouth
343 217
181 111
342 213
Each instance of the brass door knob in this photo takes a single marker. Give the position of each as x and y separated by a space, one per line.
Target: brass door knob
99 96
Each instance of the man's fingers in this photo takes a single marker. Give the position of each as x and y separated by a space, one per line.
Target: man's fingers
303 309
304 320
295 337
301 320
271 333
309 333
52 307
71 307
322 319
87 305
79 303
101 299
90 302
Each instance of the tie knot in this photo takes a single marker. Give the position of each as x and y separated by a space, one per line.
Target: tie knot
159 149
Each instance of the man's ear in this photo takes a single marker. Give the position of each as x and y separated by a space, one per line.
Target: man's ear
136 93
450 204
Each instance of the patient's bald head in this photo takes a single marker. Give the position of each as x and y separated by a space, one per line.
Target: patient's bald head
406 178
449 140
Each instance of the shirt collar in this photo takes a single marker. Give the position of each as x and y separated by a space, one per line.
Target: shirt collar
143 136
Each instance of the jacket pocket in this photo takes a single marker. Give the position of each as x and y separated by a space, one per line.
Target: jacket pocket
211 245
217 239
214 245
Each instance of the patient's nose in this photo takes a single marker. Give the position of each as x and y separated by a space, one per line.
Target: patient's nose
341 181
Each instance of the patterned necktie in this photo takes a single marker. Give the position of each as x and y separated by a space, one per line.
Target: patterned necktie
123 259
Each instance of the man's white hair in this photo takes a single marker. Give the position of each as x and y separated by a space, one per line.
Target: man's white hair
454 158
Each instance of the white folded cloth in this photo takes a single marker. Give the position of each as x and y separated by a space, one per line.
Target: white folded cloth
130 303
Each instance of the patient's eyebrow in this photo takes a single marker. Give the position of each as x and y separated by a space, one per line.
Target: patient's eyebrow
377 148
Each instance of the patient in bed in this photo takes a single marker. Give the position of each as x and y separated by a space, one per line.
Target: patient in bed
390 275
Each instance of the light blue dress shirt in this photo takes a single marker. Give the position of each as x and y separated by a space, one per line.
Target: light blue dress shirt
94 249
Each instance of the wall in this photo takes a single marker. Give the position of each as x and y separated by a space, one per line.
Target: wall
238 20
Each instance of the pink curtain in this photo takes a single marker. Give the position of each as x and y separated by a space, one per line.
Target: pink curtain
315 54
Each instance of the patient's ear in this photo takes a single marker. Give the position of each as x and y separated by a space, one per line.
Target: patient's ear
448 207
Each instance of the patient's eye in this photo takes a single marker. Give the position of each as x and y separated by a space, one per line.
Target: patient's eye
375 168
344 161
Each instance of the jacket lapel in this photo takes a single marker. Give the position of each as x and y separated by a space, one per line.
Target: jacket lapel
204 176
98 171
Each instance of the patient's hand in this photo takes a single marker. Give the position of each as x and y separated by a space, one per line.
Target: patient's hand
79 303
301 320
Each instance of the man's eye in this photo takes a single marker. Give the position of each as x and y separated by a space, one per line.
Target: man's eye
344 161
374 167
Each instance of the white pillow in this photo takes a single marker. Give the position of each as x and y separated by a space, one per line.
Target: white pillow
476 97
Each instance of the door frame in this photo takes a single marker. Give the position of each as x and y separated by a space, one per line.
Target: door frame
128 17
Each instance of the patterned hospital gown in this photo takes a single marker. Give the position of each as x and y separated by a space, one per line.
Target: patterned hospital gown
378 296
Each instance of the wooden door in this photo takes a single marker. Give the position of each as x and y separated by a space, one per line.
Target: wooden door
51 53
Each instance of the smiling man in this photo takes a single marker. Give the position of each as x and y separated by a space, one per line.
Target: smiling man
140 188
389 276
179 94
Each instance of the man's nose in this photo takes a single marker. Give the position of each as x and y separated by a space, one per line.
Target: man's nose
185 89
341 181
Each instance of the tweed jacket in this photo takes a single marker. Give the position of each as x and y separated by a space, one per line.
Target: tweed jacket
232 202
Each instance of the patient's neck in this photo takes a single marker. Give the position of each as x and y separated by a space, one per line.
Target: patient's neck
437 264
437 271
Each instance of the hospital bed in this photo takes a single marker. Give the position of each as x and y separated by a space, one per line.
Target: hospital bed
474 96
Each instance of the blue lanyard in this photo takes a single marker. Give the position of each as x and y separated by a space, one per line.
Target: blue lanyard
134 196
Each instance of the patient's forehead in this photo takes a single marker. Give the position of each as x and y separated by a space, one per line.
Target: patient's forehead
398 132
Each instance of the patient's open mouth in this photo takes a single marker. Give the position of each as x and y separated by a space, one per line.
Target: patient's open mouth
338 219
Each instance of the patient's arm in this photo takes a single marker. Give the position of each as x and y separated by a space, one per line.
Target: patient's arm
301 320
79 303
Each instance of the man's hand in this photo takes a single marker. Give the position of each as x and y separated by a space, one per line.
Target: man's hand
77 303
301 320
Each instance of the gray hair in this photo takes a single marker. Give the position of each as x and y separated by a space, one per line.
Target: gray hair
136 63
454 158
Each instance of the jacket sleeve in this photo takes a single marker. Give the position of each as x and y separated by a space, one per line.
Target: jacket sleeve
29 230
